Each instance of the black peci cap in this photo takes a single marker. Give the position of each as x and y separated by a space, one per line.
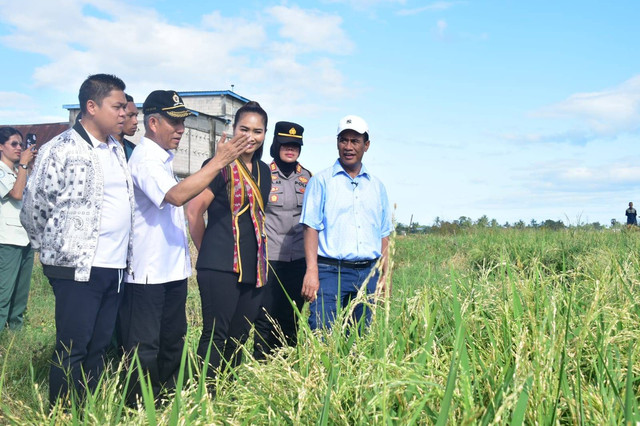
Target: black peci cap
167 103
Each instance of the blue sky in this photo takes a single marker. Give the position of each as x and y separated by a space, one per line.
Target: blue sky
510 109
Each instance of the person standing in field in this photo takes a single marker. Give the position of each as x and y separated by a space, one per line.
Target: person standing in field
631 215
232 259
152 317
16 254
129 128
286 246
78 211
347 223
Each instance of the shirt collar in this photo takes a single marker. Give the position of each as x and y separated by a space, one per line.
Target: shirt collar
157 150
7 168
96 143
297 170
337 169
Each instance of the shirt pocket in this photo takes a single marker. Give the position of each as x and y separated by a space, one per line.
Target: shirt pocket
276 196
13 221
300 194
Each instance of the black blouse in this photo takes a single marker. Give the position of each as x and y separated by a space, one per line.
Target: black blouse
216 250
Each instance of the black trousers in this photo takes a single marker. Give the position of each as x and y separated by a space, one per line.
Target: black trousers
281 293
85 317
153 321
229 308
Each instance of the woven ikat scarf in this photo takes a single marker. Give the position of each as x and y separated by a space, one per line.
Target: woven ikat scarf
242 187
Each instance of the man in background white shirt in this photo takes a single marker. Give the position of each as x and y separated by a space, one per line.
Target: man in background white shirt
77 210
152 315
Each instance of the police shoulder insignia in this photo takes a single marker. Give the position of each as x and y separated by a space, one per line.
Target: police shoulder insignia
275 189
273 166
273 198
303 179
274 177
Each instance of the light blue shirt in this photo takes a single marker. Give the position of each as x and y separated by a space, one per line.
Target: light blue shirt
351 215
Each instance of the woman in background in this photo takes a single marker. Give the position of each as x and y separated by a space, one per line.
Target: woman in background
289 179
16 255
232 259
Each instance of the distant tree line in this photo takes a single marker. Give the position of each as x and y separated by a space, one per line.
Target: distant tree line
465 223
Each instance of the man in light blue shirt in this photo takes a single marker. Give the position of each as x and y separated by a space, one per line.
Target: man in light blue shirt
347 224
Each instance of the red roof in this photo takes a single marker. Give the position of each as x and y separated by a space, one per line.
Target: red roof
44 132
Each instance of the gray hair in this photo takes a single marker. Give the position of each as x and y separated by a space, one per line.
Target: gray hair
148 116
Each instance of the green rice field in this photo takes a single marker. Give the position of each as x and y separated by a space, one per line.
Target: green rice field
487 326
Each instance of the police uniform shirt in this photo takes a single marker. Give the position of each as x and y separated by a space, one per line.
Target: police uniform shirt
284 230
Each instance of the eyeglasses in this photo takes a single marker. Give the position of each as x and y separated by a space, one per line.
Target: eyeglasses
16 144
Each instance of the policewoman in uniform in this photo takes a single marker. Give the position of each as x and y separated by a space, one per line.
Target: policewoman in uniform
287 264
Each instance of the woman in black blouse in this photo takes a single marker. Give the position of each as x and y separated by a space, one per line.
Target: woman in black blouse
232 261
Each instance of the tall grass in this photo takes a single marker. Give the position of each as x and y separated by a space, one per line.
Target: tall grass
485 327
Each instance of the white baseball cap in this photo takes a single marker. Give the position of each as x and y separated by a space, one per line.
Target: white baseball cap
353 122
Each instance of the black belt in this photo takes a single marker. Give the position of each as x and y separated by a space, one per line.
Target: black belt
355 264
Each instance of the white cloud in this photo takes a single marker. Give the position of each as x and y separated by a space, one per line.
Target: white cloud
365 4
578 174
585 117
19 108
291 82
435 6
570 177
574 136
625 174
312 30
441 28
14 99
563 189
606 113
14 104
148 51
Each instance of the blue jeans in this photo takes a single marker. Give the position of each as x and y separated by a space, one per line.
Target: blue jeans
338 285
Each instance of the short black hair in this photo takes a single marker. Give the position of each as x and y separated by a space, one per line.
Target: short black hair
97 87
129 97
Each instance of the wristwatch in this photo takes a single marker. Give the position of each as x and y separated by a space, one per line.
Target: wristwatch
24 166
